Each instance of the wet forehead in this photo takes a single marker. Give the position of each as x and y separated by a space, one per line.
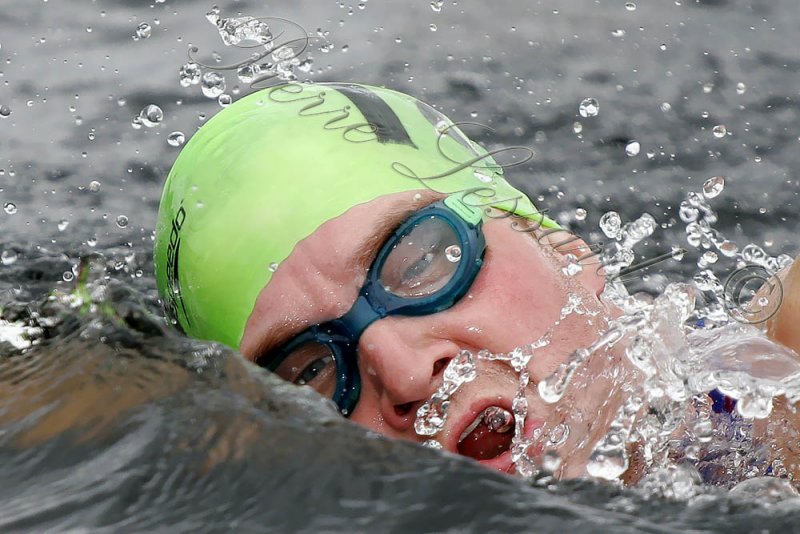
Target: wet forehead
321 278
342 245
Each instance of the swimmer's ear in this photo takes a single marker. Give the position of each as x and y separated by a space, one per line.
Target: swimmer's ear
565 243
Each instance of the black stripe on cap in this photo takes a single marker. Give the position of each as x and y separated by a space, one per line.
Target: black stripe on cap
378 114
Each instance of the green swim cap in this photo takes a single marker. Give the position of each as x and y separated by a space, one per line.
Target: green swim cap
267 171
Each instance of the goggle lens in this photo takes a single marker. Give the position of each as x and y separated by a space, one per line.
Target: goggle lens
311 364
423 260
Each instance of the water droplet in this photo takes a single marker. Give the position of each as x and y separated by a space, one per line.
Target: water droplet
630 6
741 88
432 415
5 111
618 33
224 100
190 74
432 27
305 65
713 186
577 127
687 212
92 241
708 87
432 444
754 254
453 253
151 115
610 224
755 406
122 221
213 84
677 252
461 368
580 214
237 30
436 5
136 123
176 139
666 106
68 276
589 107
551 461
552 388
709 257
213 15
8 257
273 267
94 186
632 148
10 208
247 73
719 131
706 280
284 53
728 249
62 225
482 175
573 267
143 31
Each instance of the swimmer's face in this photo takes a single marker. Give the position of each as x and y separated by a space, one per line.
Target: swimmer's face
518 294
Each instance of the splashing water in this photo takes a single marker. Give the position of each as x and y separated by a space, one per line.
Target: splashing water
609 460
431 416
665 415
235 31
518 359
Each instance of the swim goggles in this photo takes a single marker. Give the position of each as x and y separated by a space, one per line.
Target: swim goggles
424 267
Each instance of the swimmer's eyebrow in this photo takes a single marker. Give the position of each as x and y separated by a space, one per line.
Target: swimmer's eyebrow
365 253
359 261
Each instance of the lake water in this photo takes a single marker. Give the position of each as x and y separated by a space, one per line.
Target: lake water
111 421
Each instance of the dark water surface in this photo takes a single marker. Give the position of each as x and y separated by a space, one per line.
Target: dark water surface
112 421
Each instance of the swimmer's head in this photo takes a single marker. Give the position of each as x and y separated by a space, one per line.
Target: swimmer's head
266 172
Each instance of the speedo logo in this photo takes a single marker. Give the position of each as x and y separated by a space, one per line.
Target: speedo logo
174 302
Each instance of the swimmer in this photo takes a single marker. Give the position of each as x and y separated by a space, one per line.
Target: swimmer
352 239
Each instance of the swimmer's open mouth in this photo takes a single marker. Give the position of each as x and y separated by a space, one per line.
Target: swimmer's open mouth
489 435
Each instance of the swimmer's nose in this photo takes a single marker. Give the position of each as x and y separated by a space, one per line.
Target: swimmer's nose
404 366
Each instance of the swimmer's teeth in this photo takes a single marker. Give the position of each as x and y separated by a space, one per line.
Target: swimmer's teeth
471 427
496 418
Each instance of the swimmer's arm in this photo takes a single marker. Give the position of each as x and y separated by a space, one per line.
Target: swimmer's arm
784 325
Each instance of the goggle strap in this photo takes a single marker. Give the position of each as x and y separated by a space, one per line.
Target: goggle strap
470 214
